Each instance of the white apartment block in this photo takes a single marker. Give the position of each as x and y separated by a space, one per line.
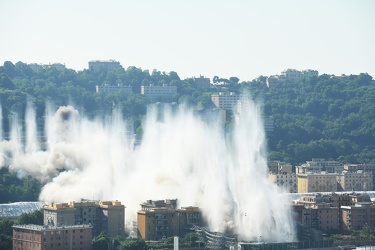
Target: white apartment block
291 75
225 100
153 92
106 88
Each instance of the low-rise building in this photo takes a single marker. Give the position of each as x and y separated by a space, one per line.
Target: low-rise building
106 88
154 92
37 237
161 219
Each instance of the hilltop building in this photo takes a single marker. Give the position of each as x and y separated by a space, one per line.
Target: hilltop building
161 219
106 88
108 66
107 216
154 92
292 75
201 82
36 237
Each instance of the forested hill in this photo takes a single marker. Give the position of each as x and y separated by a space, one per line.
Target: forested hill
327 117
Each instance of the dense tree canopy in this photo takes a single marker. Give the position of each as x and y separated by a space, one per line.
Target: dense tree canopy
326 116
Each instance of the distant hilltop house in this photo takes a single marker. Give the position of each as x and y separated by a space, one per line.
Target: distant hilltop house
38 67
201 82
292 75
108 66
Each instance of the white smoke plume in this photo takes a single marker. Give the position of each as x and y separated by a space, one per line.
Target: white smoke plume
181 156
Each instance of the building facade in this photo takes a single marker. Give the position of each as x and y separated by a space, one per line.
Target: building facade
224 100
106 88
161 219
107 216
286 181
154 92
317 182
355 181
364 167
108 66
357 216
36 237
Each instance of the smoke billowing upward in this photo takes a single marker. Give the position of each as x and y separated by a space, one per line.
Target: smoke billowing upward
181 156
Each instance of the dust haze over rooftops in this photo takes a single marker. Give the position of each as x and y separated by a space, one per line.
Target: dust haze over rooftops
243 39
180 156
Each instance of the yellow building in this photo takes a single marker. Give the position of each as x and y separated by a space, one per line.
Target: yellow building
161 219
315 182
107 216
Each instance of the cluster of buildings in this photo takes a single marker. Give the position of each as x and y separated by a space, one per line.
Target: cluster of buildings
335 211
292 75
73 225
320 175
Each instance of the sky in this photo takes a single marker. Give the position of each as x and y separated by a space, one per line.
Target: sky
242 38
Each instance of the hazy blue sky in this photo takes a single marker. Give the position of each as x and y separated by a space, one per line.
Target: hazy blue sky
240 38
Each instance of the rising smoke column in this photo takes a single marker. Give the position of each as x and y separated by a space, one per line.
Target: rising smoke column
181 156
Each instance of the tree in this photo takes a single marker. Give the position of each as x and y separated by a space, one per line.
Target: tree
35 218
100 242
132 244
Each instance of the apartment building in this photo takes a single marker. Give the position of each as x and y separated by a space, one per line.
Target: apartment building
106 88
317 165
317 182
279 167
154 92
355 181
364 167
357 216
36 237
284 180
161 219
224 100
107 216
321 217
336 211
108 66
